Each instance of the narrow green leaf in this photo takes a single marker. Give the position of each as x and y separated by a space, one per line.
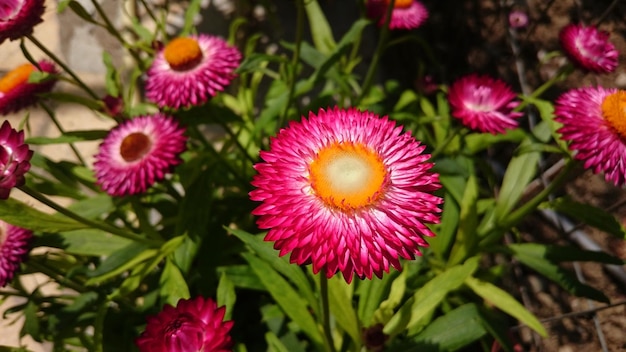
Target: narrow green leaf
274 344
387 307
341 307
172 284
590 215
226 295
371 293
91 242
80 11
191 12
112 77
557 254
320 29
466 239
19 214
446 231
32 324
476 142
119 262
242 276
68 137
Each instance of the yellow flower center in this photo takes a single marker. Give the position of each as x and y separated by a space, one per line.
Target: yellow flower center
135 146
347 176
182 53
16 77
402 4
614 111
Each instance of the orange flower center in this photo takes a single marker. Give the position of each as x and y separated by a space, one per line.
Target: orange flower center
402 4
347 176
614 111
16 77
182 53
135 146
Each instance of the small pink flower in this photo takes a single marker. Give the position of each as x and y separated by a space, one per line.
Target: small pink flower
18 17
589 48
14 159
518 19
406 14
189 71
14 248
16 93
484 104
193 325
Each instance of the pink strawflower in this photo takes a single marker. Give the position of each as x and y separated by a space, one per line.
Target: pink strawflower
15 91
191 70
594 121
346 191
194 325
14 159
518 19
14 248
138 153
406 14
589 48
483 103
18 17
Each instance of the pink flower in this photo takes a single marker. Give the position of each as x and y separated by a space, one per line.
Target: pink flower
18 17
14 159
16 93
346 191
589 48
518 19
138 153
191 70
594 121
406 14
484 104
193 325
14 248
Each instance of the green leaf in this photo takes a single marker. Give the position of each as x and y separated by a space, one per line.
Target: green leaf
31 325
191 12
476 142
590 215
466 238
287 298
501 299
387 307
80 11
112 77
371 293
274 344
446 231
242 276
120 261
340 301
226 295
173 286
320 29
19 214
557 254
91 242
69 137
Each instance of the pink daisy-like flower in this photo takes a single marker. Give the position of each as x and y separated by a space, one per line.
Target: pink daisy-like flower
406 14
594 121
589 48
346 191
14 248
518 19
18 17
138 153
484 104
14 159
194 325
191 70
15 91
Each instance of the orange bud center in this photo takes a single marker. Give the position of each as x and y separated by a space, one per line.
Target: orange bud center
614 111
347 176
401 4
16 77
182 53
135 146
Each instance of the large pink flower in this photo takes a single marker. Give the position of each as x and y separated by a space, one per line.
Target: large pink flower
17 93
594 121
194 325
18 17
14 159
191 70
484 104
138 153
14 248
406 14
589 48
346 191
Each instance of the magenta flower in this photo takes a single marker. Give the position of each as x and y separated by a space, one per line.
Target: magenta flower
18 17
14 159
194 325
406 14
191 70
15 91
594 121
589 48
138 153
346 191
14 248
518 19
484 104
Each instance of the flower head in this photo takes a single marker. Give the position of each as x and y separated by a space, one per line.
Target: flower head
14 159
518 19
17 93
191 70
14 248
594 121
483 103
589 48
346 191
193 325
18 17
138 153
406 14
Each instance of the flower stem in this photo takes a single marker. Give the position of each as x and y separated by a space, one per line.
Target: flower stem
326 312
98 326
54 275
62 130
293 67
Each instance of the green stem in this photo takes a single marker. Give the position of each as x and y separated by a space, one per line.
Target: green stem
98 326
241 148
144 222
94 224
295 59
54 275
326 312
63 66
561 75
441 146
60 128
